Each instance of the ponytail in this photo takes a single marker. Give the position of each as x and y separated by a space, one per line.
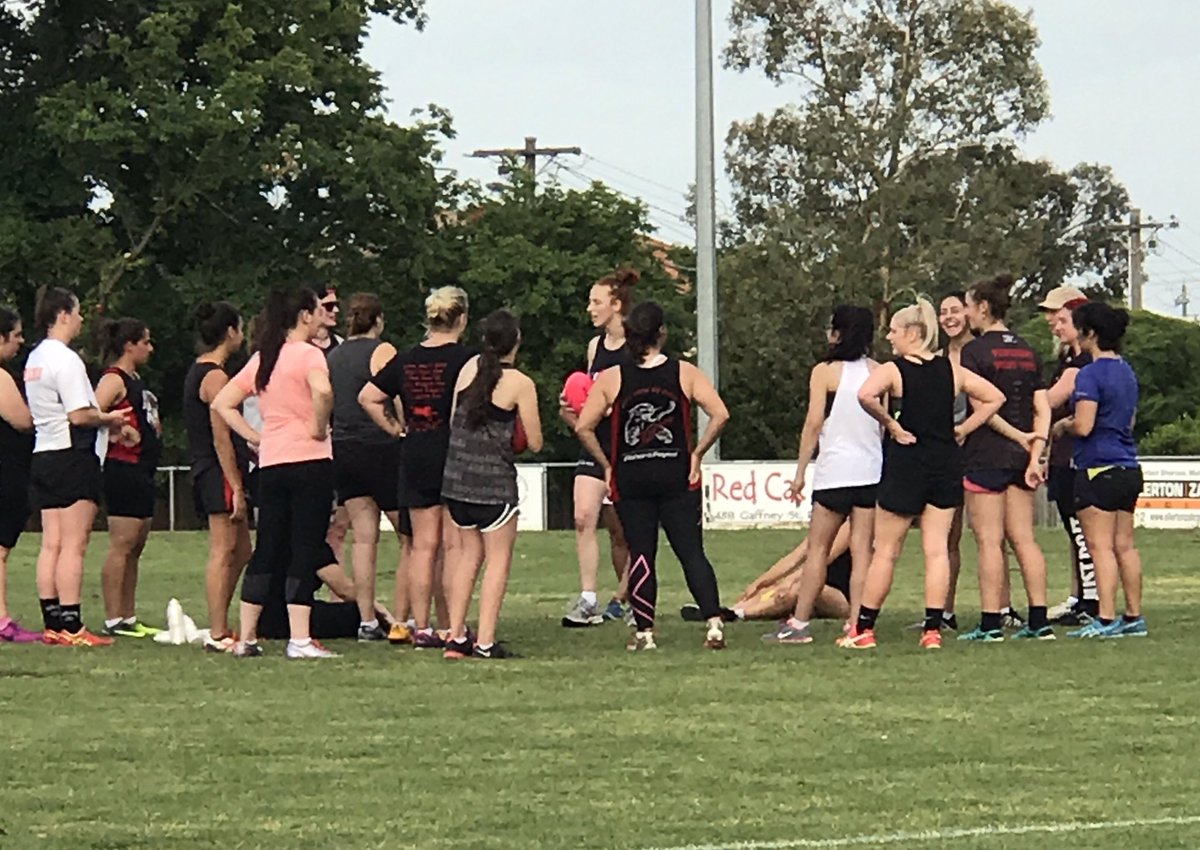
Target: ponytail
115 334
643 329
921 315
501 334
282 313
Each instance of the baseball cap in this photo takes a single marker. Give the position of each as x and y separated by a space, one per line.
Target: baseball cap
1060 297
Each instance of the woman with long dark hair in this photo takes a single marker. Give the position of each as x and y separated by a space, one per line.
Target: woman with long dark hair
480 485
290 378
220 466
609 302
66 483
847 469
653 466
1108 476
129 470
16 450
423 379
366 462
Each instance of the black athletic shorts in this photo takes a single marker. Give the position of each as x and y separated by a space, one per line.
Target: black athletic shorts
59 479
483 517
588 468
211 492
837 575
1113 488
14 502
842 500
1060 488
910 495
994 481
128 490
367 469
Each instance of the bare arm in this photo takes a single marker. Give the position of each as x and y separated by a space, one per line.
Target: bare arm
210 387
322 400
110 391
599 400
226 404
705 394
986 400
1059 394
13 408
374 402
881 383
564 410
1041 426
527 410
811 430
1084 421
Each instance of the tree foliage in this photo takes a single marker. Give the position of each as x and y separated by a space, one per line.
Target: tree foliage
896 171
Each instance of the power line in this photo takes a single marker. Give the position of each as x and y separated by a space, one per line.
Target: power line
1181 253
591 179
669 225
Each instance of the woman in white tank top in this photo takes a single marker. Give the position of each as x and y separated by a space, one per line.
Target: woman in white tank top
847 469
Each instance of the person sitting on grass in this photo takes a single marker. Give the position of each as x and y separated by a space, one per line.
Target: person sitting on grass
772 596
332 620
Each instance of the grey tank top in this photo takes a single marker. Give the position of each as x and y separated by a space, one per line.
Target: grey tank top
481 464
349 371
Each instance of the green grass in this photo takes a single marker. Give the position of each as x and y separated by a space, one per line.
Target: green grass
582 745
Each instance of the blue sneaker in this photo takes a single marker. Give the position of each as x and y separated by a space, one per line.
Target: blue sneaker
1096 629
789 631
978 635
1128 628
1026 633
614 611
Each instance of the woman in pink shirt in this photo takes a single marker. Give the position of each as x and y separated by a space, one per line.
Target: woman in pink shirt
291 380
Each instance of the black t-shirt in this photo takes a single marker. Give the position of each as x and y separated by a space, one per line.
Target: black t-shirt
423 379
1060 449
1013 366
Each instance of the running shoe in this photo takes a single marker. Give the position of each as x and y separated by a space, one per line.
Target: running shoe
1026 633
245 649
311 649
582 614
399 634
51 637
1011 619
641 642
427 639
219 645
370 634
13 633
714 638
949 621
456 649
614 611
129 630
1096 629
1062 608
1076 616
496 650
1128 628
691 613
855 639
85 638
978 635
931 639
789 631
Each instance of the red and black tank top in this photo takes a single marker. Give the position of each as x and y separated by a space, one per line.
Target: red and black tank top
140 408
651 430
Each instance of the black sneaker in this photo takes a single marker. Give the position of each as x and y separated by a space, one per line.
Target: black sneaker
496 650
456 649
691 613
1076 616
369 634
248 650
1011 619
950 621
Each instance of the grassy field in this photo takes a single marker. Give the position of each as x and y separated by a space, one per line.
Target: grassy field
582 745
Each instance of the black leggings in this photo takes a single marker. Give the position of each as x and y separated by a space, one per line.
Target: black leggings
330 621
680 516
1062 491
293 519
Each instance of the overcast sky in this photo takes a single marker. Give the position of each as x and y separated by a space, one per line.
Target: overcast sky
616 78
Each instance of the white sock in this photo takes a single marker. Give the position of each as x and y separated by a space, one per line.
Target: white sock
411 623
740 613
1072 601
370 624
108 624
130 621
946 615
301 641
589 596
797 624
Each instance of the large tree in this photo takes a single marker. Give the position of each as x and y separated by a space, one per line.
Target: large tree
895 172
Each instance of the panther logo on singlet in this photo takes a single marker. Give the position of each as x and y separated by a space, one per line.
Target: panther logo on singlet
643 424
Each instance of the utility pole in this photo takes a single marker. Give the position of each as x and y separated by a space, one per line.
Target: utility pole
530 153
1133 231
706 244
1182 300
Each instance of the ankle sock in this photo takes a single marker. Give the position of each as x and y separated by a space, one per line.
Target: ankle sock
51 614
991 621
866 618
72 619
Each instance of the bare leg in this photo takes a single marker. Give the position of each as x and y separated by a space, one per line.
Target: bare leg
1018 529
400 597
4 583
1099 527
364 520
890 531
498 550
1129 562
589 497
427 539
619 549
954 545
824 525
76 531
440 606
467 544
48 555
935 534
123 534
862 535
339 524
987 521
129 586
228 552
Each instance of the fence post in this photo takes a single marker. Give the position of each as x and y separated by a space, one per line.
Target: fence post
171 497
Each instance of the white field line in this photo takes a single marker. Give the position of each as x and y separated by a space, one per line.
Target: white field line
931 835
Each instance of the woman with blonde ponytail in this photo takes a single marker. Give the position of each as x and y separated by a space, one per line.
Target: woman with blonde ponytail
423 379
922 467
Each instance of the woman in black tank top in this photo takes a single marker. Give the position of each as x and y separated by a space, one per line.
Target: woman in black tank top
218 469
922 469
652 467
16 454
609 302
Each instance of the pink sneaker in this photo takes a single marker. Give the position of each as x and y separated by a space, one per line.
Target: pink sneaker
13 633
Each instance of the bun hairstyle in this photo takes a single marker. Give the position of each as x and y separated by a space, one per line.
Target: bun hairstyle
213 322
501 334
365 310
620 285
282 313
51 301
115 334
921 315
855 327
1107 323
9 320
995 293
443 308
644 329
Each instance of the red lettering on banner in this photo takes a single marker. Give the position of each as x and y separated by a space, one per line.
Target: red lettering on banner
718 486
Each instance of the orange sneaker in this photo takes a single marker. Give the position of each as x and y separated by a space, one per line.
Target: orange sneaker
50 637
858 640
399 634
85 638
931 639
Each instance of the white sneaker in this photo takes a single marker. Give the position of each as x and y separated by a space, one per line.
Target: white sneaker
641 642
714 638
1062 609
312 649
